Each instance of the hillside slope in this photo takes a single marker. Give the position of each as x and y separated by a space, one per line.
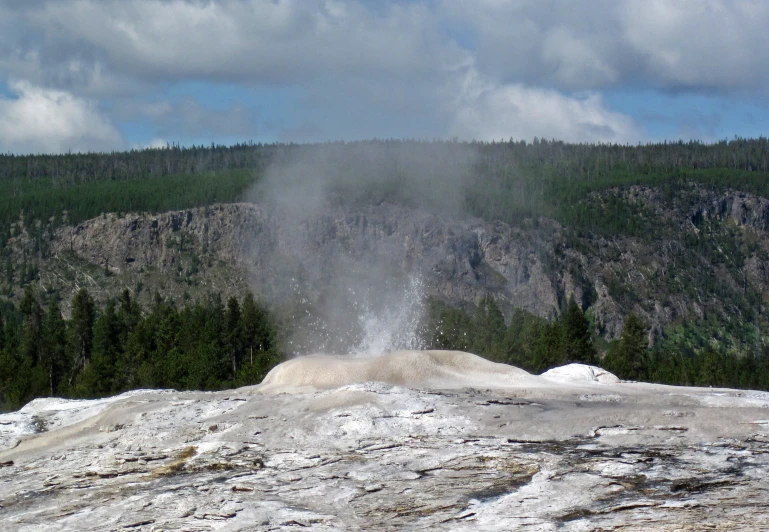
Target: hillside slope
697 254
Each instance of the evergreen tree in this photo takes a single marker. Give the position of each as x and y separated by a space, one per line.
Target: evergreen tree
253 327
514 340
258 341
31 349
449 328
212 352
489 330
579 341
762 369
712 370
166 356
233 334
28 301
99 378
128 314
9 365
28 379
627 357
549 346
2 333
54 342
129 317
81 332
8 272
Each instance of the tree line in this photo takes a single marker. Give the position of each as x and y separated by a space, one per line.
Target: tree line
512 181
204 346
212 345
537 344
580 160
507 181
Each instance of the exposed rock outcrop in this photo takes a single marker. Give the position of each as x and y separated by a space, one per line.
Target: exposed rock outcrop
462 261
698 253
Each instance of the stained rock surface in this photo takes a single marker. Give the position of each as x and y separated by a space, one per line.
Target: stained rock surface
573 449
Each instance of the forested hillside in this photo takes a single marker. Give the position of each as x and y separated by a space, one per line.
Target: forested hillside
99 352
506 181
662 249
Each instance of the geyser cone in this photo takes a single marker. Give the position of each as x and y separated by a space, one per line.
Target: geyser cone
414 369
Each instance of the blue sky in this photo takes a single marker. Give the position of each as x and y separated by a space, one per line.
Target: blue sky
97 75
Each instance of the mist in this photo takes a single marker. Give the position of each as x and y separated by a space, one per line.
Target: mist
340 273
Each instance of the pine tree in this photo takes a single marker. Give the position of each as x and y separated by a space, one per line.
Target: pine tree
55 337
250 322
258 342
8 272
549 347
28 378
128 312
579 342
81 332
212 344
31 341
513 339
233 333
627 357
98 379
489 330
167 371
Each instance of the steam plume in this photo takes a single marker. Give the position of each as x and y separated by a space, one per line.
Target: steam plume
341 273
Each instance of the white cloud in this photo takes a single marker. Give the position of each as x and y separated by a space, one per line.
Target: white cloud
679 44
719 44
154 144
484 110
42 120
266 41
103 46
486 68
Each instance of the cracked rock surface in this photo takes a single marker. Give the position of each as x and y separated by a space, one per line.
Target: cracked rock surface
573 450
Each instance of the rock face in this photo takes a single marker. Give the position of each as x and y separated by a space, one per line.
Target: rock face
461 261
567 451
675 256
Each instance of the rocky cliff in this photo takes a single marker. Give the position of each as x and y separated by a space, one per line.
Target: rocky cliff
461 260
688 254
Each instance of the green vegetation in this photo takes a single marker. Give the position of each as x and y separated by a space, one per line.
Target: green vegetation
599 194
507 181
212 346
208 346
536 344
529 341
43 205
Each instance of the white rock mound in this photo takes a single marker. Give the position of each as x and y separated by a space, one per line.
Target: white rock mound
374 448
412 369
581 372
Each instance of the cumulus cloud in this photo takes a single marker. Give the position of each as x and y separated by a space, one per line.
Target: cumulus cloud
39 120
669 44
541 42
244 40
487 68
485 110
720 44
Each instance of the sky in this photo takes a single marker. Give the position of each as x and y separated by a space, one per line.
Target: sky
103 75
